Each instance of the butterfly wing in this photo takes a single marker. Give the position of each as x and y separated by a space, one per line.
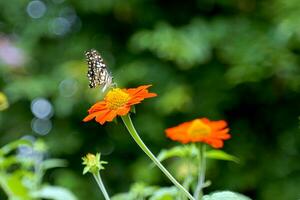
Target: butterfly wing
97 71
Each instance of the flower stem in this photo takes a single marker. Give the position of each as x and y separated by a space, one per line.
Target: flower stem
129 125
201 177
5 188
101 185
186 184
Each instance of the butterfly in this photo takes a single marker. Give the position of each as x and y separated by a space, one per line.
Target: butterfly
98 73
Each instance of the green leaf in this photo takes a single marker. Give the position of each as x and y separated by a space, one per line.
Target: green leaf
86 169
165 194
225 195
182 151
6 162
55 193
53 163
137 191
14 145
221 155
122 196
15 186
141 190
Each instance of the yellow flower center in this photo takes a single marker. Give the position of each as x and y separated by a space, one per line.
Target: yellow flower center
116 98
90 158
198 129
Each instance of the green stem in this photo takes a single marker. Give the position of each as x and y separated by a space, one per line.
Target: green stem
101 185
201 177
186 184
5 188
128 123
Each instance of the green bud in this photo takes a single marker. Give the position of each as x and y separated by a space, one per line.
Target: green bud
3 102
92 163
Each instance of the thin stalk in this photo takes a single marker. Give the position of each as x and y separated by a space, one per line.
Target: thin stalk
129 125
201 177
101 185
186 184
3 185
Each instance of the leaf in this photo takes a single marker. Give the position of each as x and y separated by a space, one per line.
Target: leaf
14 145
178 151
55 193
8 161
13 184
53 163
165 194
122 196
221 155
142 190
225 195
137 191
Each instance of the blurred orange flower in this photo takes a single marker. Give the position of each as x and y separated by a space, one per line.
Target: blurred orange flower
200 130
117 102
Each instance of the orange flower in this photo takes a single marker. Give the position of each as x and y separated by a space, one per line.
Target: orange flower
200 130
117 102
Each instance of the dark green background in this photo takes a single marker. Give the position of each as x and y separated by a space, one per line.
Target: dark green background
223 59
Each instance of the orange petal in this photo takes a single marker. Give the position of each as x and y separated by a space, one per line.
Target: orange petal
90 117
134 101
98 107
223 134
139 94
177 136
217 144
102 118
123 111
134 91
144 94
215 138
181 127
110 116
179 133
149 95
218 125
95 114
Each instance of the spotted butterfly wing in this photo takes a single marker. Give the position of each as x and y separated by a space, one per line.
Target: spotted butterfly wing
98 74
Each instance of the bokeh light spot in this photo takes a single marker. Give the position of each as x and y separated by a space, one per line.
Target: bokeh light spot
68 87
41 108
36 9
41 126
60 26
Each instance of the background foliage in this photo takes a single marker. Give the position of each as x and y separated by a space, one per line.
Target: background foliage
225 59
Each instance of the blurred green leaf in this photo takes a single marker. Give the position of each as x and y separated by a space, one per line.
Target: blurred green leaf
187 46
220 155
225 195
165 194
183 151
123 196
13 146
3 102
53 163
8 161
15 186
55 193
141 190
137 191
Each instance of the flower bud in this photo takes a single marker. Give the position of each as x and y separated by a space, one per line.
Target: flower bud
3 102
92 163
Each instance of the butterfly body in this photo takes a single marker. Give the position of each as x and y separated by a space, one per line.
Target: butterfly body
98 73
